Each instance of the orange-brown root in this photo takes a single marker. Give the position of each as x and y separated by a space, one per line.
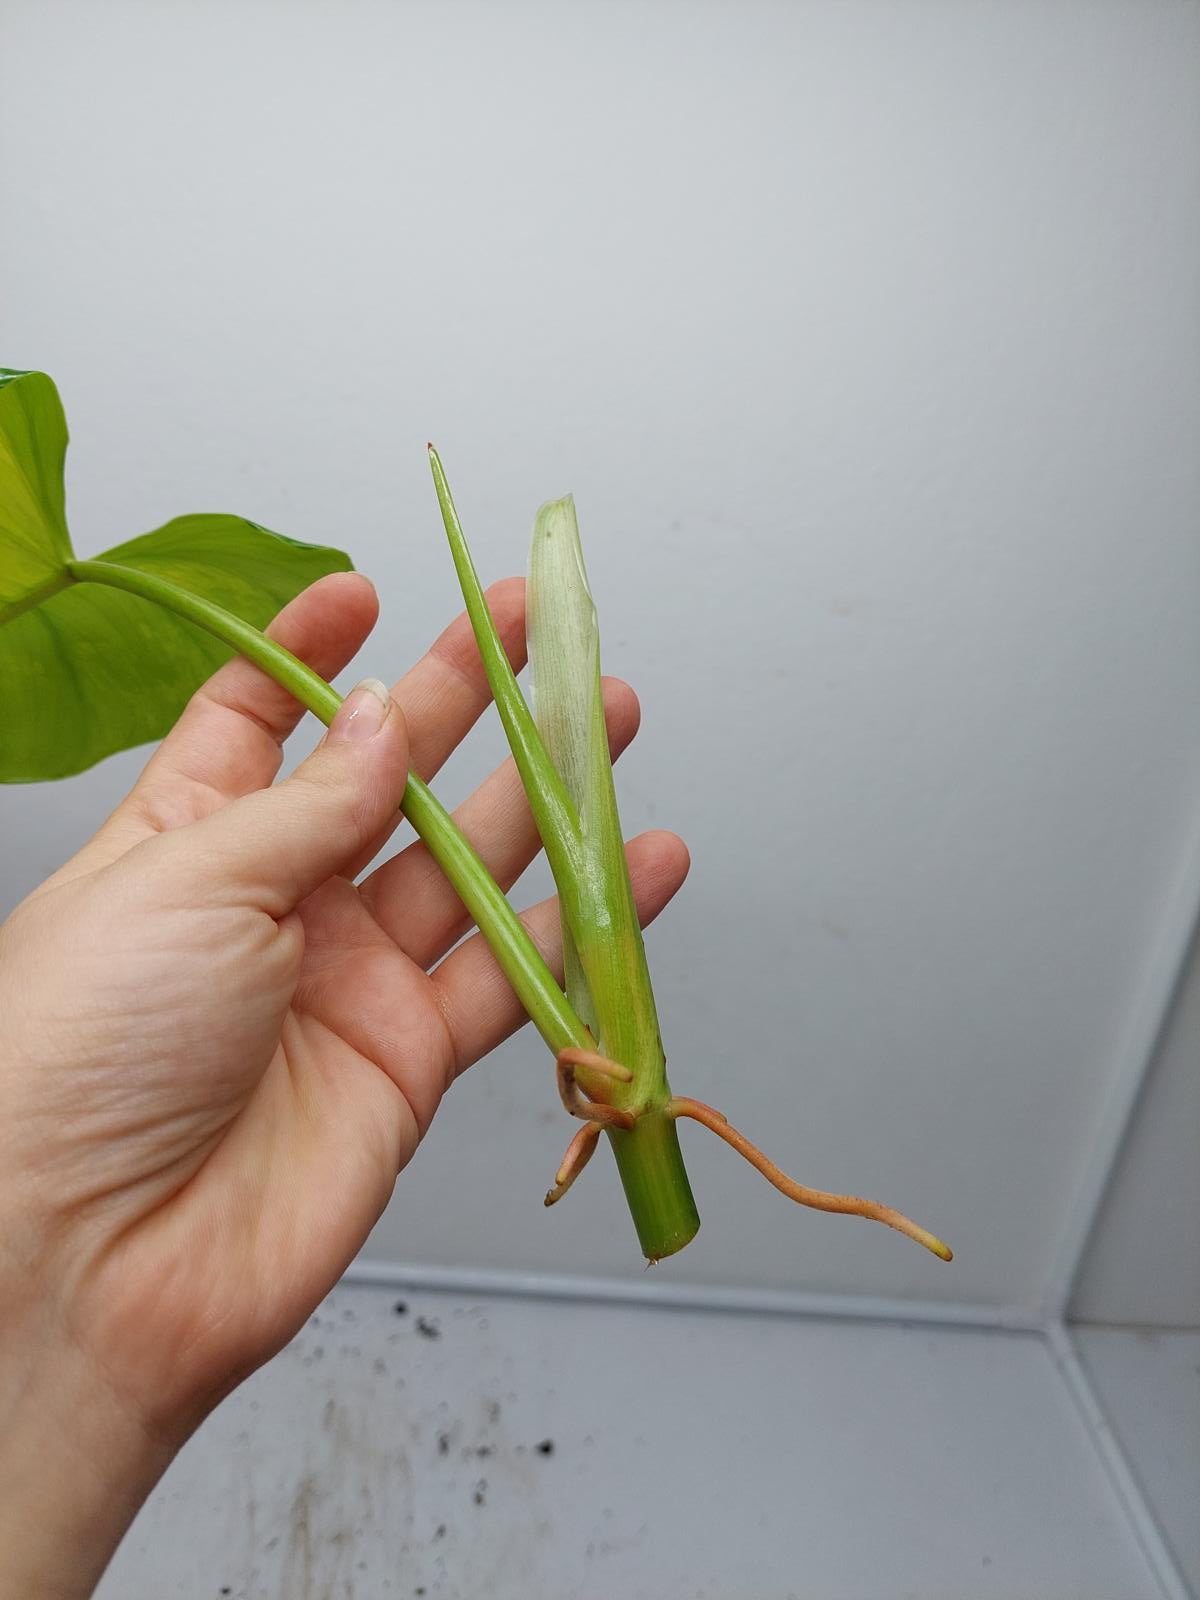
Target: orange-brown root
818 1199
579 1152
573 1097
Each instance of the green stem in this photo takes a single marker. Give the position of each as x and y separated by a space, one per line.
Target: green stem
519 958
656 1185
554 812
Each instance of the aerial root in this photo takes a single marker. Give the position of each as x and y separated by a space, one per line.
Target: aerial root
818 1199
597 1115
573 1097
579 1152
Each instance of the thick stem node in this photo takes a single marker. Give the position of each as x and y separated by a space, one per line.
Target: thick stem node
818 1199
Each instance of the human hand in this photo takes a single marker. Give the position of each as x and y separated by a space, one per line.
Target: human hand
218 1052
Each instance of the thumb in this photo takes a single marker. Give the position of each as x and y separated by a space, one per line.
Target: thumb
277 845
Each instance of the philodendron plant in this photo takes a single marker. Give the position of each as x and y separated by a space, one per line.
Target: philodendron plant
102 654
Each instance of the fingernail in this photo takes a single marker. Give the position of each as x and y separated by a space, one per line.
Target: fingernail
361 714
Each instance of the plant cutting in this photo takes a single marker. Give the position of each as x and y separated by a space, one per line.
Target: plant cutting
114 646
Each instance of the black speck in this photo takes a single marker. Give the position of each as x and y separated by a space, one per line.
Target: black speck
483 1450
427 1329
421 1590
440 1531
401 1308
546 1448
443 1444
478 1497
225 1589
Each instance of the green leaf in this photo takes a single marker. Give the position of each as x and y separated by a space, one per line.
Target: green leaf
34 544
87 670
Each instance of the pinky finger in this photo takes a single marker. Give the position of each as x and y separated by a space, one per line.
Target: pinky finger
481 1009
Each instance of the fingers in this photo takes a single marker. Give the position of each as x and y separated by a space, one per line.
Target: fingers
227 742
445 693
229 737
272 848
479 1007
411 899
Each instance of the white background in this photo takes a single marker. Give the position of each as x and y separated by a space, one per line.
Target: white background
867 339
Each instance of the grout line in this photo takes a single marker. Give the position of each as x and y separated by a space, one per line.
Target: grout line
693 1296
1151 1540
1146 1020
1133 1327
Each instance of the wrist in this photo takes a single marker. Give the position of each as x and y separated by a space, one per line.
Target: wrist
75 1463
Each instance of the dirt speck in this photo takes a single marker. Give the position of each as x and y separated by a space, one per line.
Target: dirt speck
443 1444
546 1448
428 1329
400 1308
440 1531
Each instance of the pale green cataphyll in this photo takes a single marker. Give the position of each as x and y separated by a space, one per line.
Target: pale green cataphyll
102 654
